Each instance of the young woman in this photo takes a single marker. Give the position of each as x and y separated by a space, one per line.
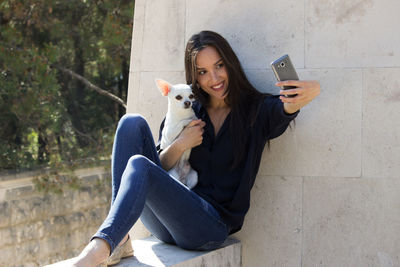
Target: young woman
234 123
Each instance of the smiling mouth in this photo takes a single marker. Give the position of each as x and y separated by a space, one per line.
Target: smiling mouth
218 86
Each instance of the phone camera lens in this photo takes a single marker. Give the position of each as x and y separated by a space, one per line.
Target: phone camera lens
282 64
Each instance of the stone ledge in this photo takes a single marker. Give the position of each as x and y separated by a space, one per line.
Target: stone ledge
150 252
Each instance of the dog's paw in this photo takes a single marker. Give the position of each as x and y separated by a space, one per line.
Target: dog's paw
192 179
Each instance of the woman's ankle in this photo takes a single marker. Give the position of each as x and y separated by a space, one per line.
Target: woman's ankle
124 240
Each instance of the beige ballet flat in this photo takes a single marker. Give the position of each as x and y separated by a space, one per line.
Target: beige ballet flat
103 264
123 251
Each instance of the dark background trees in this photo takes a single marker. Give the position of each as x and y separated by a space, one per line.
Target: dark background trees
48 116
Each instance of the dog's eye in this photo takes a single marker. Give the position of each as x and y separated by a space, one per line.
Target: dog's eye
191 96
178 97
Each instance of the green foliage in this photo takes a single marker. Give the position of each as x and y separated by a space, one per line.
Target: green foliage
48 118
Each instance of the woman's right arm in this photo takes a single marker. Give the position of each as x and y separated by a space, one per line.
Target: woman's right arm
191 136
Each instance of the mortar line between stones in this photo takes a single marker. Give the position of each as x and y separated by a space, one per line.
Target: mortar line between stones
140 34
185 30
362 121
138 91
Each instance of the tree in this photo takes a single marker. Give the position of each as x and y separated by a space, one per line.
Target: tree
47 114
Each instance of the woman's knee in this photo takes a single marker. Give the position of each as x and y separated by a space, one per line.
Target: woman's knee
132 122
136 169
138 162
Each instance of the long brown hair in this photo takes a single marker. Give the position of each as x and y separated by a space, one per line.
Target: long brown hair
242 97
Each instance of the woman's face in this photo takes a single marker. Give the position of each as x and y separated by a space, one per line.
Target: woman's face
212 75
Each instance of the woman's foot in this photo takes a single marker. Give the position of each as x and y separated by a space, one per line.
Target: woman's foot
123 250
95 253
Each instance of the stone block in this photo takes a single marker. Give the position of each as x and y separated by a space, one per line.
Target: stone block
20 192
70 222
263 80
79 238
57 205
25 232
55 247
97 215
19 211
152 252
36 228
272 232
163 44
26 251
133 93
39 207
326 137
90 179
81 200
351 222
106 178
380 124
137 38
5 211
63 245
6 236
89 196
8 255
356 33
258 31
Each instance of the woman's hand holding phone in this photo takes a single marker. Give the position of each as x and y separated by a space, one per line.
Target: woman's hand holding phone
284 71
295 93
305 92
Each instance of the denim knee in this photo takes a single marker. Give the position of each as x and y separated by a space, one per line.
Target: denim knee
131 121
138 162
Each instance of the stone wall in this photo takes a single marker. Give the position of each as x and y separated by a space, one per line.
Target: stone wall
37 228
327 190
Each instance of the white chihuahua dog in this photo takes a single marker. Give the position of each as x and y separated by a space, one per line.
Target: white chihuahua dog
179 115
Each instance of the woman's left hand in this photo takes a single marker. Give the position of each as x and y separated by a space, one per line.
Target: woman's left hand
306 91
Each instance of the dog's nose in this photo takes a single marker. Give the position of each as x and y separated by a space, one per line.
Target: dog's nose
187 104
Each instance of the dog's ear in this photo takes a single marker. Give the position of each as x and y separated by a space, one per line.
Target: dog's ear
164 86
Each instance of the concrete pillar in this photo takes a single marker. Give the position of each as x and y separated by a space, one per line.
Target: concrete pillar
327 190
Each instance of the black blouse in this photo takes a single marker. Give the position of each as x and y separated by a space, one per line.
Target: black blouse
227 189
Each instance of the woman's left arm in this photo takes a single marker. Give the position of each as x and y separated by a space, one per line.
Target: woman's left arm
306 91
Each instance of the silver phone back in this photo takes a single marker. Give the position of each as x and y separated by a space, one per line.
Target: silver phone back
284 70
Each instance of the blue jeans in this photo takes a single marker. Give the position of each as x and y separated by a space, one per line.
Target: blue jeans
141 188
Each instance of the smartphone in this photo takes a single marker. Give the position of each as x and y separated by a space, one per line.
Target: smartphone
284 70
